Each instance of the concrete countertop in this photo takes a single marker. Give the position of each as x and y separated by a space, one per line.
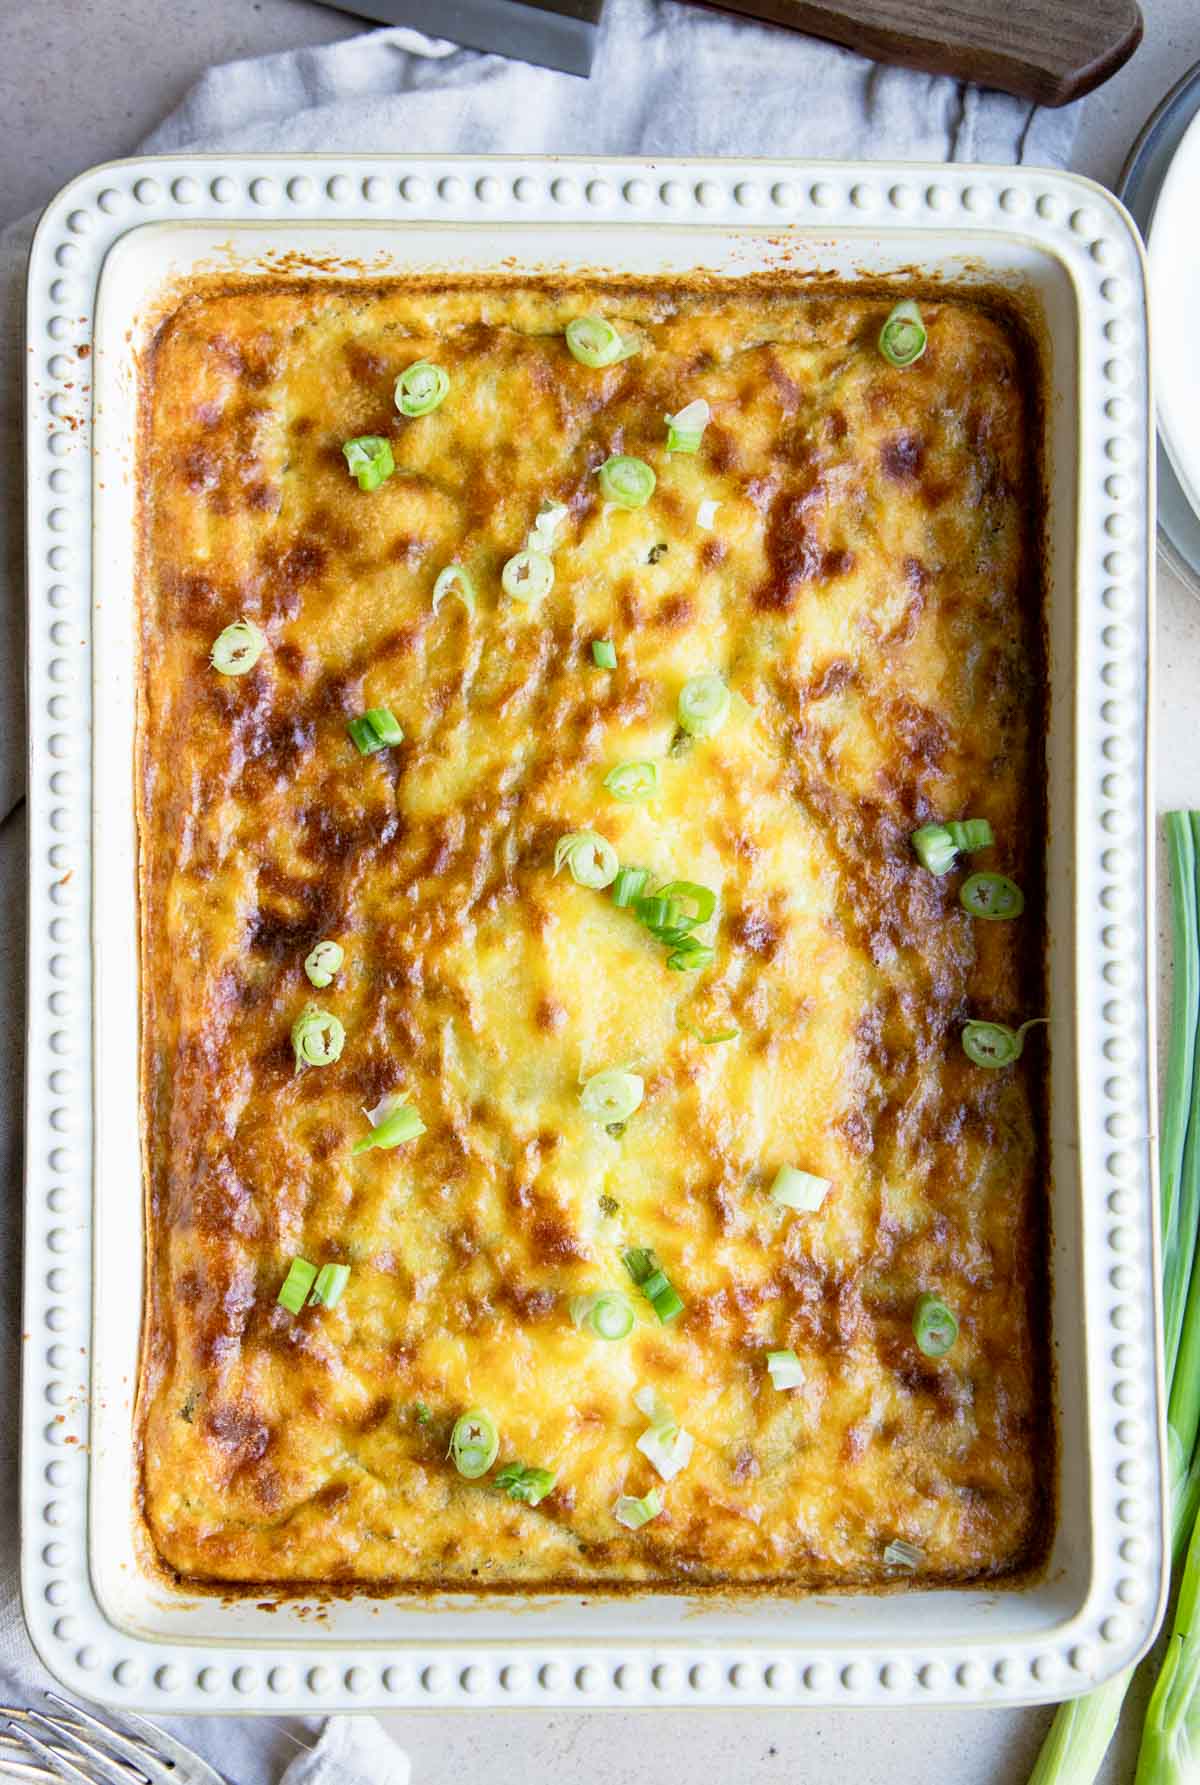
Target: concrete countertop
81 83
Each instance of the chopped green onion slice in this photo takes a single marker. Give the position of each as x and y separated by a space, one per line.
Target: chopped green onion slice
902 338
331 1280
934 1326
691 956
993 896
317 1037
369 458
393 1121
626 481
995 1044
702 897
704 704
652 910
933 848
799 1189
628 885
590 857
323 962
634 1513
607 1315
935 845
236 650
474 1443
709 1040
376 729
527 1485
899 1554
595 342
421 1413
454 584
611 1096
970 834
684 430
421 388
632 781
785 1369
528 577
543 535
664 1443
384 724
296 1285
604 655
652 1280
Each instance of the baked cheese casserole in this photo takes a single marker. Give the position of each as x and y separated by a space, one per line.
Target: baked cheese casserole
590 802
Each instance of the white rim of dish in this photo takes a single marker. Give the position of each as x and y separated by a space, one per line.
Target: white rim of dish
1177 396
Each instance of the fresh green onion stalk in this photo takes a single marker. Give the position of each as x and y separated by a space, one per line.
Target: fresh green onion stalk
1079 1736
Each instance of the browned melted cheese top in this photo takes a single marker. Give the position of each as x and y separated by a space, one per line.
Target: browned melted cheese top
867 586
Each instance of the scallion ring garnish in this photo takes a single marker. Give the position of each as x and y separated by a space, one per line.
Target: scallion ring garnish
317 1037
611 1096
474 1443
664 1444
785 1370
369 458
530 1486
996 1044
376 729
689 892
236 650
608 1315
899 1554
628 885
604 654
421 388
331 1281
393 1121
296 1285
323 962
691 956
934 1326
543 535
992 896
528 577
704 704
595 342
684 430
634 1513
902 338
627 482
709 1040
632 781
590 857
454 584
643 1266
801 1190
936 845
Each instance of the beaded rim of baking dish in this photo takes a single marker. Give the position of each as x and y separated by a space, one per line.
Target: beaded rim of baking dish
1088 232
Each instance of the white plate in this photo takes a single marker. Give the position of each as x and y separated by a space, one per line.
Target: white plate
1175 288
104 1625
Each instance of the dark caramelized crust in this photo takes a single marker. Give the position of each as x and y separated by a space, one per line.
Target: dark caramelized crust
868 585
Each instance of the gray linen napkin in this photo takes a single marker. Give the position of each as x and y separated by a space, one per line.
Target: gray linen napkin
668 80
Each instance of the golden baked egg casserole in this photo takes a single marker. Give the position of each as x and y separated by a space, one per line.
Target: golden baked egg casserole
590 783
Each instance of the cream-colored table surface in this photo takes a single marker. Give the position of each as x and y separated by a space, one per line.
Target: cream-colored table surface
80 82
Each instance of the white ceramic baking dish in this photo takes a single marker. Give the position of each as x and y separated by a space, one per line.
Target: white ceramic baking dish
106 249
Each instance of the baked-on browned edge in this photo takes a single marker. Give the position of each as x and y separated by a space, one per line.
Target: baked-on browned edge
213 465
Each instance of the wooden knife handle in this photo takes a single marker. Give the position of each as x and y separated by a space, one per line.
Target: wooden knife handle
1050 51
